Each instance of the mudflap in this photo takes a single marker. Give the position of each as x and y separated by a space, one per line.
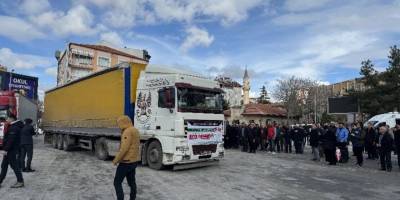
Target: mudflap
178 167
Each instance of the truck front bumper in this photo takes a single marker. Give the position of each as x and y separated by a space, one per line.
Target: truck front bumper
186 156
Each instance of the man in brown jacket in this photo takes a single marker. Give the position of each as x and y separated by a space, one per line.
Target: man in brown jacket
127 157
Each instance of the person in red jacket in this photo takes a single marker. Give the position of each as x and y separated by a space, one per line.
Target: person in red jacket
271 138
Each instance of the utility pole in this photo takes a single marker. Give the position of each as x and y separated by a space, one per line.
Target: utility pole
315 105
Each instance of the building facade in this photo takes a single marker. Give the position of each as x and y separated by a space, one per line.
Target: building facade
343 88
80 60
232 91
251 110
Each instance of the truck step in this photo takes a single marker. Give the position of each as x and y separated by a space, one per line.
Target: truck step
85 144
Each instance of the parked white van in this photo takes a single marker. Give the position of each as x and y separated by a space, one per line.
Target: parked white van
389 118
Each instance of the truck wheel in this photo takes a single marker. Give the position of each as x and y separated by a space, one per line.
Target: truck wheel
101 149
67 142
155 155
54 141
60 141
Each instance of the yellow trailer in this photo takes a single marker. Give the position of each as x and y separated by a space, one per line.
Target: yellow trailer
179 114
90 106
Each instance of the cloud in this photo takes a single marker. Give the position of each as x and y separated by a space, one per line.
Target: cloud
338 36
126 14
18 29
29 7
52 71
22 61
76 21
112 37
196 37
303 5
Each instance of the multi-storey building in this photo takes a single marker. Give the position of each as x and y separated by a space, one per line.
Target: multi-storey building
79 60
344 87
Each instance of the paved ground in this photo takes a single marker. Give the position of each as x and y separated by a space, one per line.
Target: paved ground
79 175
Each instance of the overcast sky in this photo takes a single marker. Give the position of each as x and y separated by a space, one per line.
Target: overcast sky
325 40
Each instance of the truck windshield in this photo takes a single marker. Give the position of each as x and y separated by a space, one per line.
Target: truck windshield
199 101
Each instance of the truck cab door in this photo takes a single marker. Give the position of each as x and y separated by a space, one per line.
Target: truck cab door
166 109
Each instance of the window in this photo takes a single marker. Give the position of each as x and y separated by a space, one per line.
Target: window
166 98
104 62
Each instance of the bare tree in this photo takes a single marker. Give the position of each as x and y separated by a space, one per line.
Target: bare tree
293 93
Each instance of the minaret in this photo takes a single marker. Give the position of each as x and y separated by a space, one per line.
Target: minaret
246 87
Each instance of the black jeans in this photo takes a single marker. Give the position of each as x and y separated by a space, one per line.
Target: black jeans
358 151
127 170
344 152
330 156
298 145
11 159
288 146
278 145
26 151
371 149
386 159
398 155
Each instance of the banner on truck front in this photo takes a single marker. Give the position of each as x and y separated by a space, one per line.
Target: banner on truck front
202 135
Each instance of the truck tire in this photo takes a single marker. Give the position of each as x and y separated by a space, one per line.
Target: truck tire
60 141
67 142
54 141
155 155
101 149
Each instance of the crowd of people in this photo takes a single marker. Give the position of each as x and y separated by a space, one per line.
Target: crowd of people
17 148
330 141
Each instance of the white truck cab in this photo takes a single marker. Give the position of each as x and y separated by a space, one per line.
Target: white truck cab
180 116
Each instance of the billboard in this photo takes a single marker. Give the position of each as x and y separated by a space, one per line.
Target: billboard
19 82
342 105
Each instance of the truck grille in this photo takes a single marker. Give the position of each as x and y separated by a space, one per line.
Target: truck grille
204 149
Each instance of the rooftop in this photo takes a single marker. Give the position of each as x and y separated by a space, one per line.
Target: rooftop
264 110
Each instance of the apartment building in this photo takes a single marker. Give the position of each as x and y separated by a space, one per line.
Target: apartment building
344 87
79 60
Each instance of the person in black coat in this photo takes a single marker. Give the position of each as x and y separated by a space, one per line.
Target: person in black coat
298 135
396 133
315 136
27 133
252 137
385 146
244 138
329 144
287 135
227 138
11 142
370 145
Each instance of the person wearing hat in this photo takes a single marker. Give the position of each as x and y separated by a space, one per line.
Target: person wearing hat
127 157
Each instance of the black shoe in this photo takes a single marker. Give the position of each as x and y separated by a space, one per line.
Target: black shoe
389 169
30 170
24 170
383 169
18 185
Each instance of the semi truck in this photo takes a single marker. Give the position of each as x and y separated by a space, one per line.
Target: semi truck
13 103
178 114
